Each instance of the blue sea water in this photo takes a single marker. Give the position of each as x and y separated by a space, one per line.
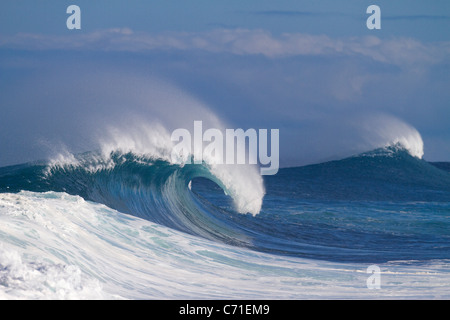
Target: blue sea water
137 227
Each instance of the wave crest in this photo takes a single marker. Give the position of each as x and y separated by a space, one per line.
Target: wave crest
146 143
388 131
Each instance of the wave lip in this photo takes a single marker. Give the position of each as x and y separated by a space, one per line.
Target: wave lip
242 182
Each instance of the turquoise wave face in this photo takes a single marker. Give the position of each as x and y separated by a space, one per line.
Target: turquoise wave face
380 206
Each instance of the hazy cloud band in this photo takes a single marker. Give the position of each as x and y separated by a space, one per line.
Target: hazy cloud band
397 51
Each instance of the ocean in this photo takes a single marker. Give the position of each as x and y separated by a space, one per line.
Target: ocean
124 225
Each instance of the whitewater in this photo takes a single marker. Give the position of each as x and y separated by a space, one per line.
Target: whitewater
125 222
56 246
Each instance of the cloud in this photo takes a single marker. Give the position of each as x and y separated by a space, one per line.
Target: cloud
286 13
418 17
395 51
299 14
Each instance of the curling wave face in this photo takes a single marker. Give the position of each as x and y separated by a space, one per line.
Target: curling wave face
148 188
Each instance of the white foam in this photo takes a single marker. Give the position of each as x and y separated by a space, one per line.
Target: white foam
56 246
44 280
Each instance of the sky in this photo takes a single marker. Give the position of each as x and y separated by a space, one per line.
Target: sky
311 69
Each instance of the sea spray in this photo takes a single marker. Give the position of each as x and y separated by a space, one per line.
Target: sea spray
149 143
386 130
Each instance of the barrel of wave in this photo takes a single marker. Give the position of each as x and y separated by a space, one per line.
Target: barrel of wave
242 182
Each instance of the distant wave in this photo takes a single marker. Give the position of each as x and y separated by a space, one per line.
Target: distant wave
386 130
389 173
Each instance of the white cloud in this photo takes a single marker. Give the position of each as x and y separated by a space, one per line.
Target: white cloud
399 51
